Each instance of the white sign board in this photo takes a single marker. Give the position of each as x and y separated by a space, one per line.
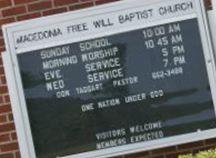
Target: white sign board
112 80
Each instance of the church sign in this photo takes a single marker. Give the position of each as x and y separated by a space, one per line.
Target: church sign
111 80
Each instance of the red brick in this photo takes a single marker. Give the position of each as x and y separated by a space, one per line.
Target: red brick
158 156
1 62
54 11
5 108
98 2
5 3
81 6
28 16
4 138
40 6
6 98
64 2
1 42
23 1
86 0
164 150
10 155
1 33
208 3
3 89
6 21
3 119
137 155
9 147
13 136
191 145
2 80
7 127
14 11
1 99
2 70
10 117
2 49
210 141
177 154
17 155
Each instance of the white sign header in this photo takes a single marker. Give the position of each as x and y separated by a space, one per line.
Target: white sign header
106 22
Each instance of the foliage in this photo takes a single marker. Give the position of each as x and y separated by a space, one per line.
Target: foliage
203 154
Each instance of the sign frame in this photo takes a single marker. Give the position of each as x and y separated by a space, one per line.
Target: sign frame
17 95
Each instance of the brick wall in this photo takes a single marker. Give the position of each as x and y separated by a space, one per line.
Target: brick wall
17 10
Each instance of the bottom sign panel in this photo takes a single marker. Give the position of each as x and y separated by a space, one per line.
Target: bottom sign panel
122 89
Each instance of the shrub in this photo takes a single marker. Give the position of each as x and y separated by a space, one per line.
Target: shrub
202 154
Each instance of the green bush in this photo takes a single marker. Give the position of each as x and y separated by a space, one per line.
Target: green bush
202 154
